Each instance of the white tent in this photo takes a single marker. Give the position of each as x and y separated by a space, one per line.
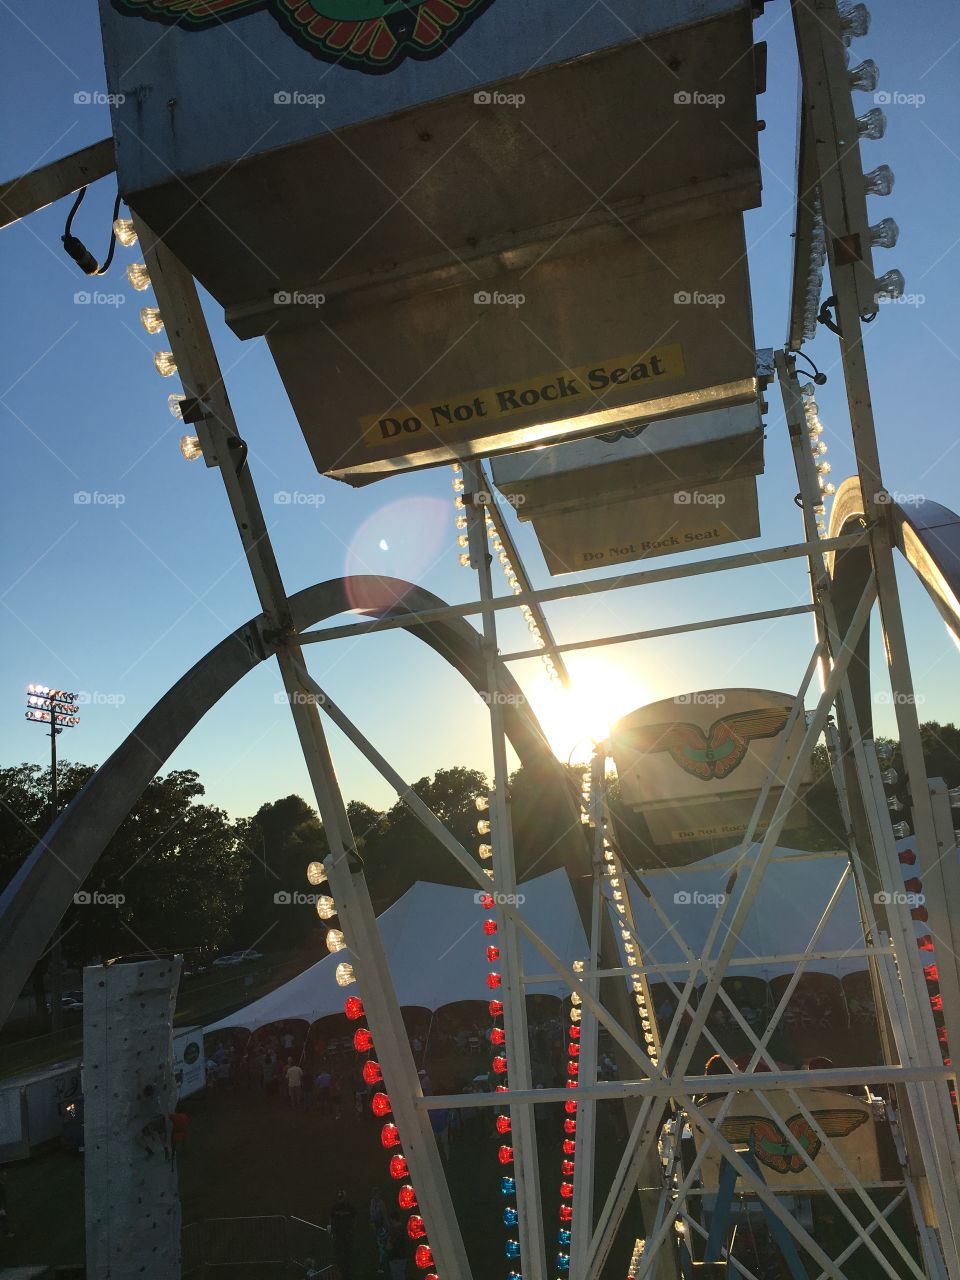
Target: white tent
436 947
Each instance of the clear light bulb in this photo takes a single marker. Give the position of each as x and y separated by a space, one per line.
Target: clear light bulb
824 468
175 405
326 907
463 540
894 805
872 124
461 522
457 486
335 940
879 181
344 975
151 319
901 830
165 364
482 803
890 285
829 490
316 873
190 448
456 468
139 276
465 561
578 966
855 20
485 851
125 232
885 234
459 503
865 76
889 777
575 998
483 827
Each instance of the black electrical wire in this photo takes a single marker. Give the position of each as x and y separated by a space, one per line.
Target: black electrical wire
818 377
825 317
78 251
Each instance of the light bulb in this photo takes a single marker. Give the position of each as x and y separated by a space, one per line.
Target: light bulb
901 830
139 276
464 560
890 285
316 873
483 827
824 468
575 998
872 124
458 486
482 803
855 20
190 448
485 851
463 540
175 405
125 232
819 448
335 940
885 234
344 975
456 468
865 76
165 364
151 319
461 522
326 907
894 805
889 777
459 503
829 490
879 181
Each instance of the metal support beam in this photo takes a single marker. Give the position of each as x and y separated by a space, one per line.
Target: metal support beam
35 190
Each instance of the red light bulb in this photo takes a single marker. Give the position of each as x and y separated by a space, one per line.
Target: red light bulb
501 1088
566 1190
353 1008
407 1197
362 1040
566 1213
503 1124
489 927
573 1067
498 1036
493 955
415 1228
390 1136
371 1072
569 1146
423 1256
495 1008
569 1126
380 1105
574 1050
487 902
567 1169
574 1033
570 1107
505 1155
398 1167
571 1084
494 980
499 1064
925 942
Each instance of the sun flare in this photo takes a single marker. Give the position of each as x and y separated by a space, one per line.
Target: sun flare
573 719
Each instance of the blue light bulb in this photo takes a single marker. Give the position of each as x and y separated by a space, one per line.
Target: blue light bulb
514 1275
510 1217
512 1248
508 1186
563 1236
563 1263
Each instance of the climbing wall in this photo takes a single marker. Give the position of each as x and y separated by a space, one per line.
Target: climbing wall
132 1208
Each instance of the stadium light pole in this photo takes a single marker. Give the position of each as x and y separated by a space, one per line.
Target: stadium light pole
58 709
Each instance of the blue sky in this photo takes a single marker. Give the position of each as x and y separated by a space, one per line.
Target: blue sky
119 599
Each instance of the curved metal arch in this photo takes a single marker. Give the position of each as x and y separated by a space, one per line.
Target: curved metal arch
38 896
928 535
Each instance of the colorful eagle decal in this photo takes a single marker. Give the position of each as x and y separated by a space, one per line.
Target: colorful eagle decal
368 35
774 1149
716 753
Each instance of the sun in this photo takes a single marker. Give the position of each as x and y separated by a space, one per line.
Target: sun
573 719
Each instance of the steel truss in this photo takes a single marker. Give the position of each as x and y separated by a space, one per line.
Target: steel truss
657 1070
